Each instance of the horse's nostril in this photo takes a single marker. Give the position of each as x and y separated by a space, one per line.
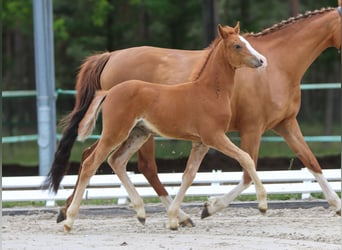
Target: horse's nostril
261 61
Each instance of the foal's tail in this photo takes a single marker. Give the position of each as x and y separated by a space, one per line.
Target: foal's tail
88 82
88 122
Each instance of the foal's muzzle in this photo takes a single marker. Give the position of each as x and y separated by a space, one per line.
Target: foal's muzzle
258 62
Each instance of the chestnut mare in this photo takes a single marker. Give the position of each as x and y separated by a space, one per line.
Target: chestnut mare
135 110
266 100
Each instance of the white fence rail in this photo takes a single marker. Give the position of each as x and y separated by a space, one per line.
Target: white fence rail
205 184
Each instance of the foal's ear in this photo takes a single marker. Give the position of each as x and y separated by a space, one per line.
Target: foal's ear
237 28
221 31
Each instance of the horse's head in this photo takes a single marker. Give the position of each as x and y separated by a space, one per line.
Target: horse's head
337 33
238 51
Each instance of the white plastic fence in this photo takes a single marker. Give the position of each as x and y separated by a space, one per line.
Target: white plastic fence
205 184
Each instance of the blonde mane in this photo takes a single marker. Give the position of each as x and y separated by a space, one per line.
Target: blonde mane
289 21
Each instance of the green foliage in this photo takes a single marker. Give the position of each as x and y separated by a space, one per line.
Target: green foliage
17 12
84 27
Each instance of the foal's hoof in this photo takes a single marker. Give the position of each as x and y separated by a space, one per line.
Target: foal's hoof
205 211
61 216
141 220
67 229
174 228
262 211
187 223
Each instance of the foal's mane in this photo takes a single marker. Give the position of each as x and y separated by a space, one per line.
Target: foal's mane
203 62
289 21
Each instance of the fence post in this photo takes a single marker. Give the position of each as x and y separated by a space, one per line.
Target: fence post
305 196
215 183
45 82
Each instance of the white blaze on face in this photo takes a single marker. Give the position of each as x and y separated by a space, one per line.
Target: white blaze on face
253 51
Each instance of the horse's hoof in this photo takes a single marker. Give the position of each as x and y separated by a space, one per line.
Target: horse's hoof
187 223
205 212
61 216
67 229
141 220
338 212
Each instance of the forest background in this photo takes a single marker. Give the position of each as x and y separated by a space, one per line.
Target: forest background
85 27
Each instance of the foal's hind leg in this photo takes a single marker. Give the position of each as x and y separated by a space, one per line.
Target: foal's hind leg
148 167
89 167
118 162
62 212
197 153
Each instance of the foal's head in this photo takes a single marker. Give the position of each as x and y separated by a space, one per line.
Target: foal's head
238 51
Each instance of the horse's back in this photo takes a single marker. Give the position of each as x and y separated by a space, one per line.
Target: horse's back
151 64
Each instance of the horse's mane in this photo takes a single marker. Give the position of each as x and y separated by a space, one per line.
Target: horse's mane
291 20
203 62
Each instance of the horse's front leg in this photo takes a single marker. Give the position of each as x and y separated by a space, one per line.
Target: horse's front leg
292 134
250 143
196 156
222 143
62 212
148 167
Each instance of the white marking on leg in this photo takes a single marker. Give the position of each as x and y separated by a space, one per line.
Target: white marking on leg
329 193
218 203
74 207
167 200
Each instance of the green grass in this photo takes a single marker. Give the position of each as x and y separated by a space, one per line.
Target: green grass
154 200
26 153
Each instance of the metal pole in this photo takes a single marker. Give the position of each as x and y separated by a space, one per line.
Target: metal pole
45 82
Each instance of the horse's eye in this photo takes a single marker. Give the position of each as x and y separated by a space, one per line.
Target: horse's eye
237 46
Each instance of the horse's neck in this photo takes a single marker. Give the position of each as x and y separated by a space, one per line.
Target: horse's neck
294 48
217 74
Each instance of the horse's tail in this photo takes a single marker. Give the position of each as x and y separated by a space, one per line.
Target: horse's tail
88 122
88 82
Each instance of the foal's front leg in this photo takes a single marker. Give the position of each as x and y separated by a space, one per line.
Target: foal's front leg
148 167
197 153
222 143
250 143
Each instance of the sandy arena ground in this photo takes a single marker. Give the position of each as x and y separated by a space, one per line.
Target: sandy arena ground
233 228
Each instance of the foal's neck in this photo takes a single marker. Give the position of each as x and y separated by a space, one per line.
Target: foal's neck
217 73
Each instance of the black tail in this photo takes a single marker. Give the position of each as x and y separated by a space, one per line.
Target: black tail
88 82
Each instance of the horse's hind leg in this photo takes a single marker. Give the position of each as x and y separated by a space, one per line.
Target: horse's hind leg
88 169
291 132
62 212
118 162
148 167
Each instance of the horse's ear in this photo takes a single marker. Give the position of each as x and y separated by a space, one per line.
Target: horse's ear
223 34
237 28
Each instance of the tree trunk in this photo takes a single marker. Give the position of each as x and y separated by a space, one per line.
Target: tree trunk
210 20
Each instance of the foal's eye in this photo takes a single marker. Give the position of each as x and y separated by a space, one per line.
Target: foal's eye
237 46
